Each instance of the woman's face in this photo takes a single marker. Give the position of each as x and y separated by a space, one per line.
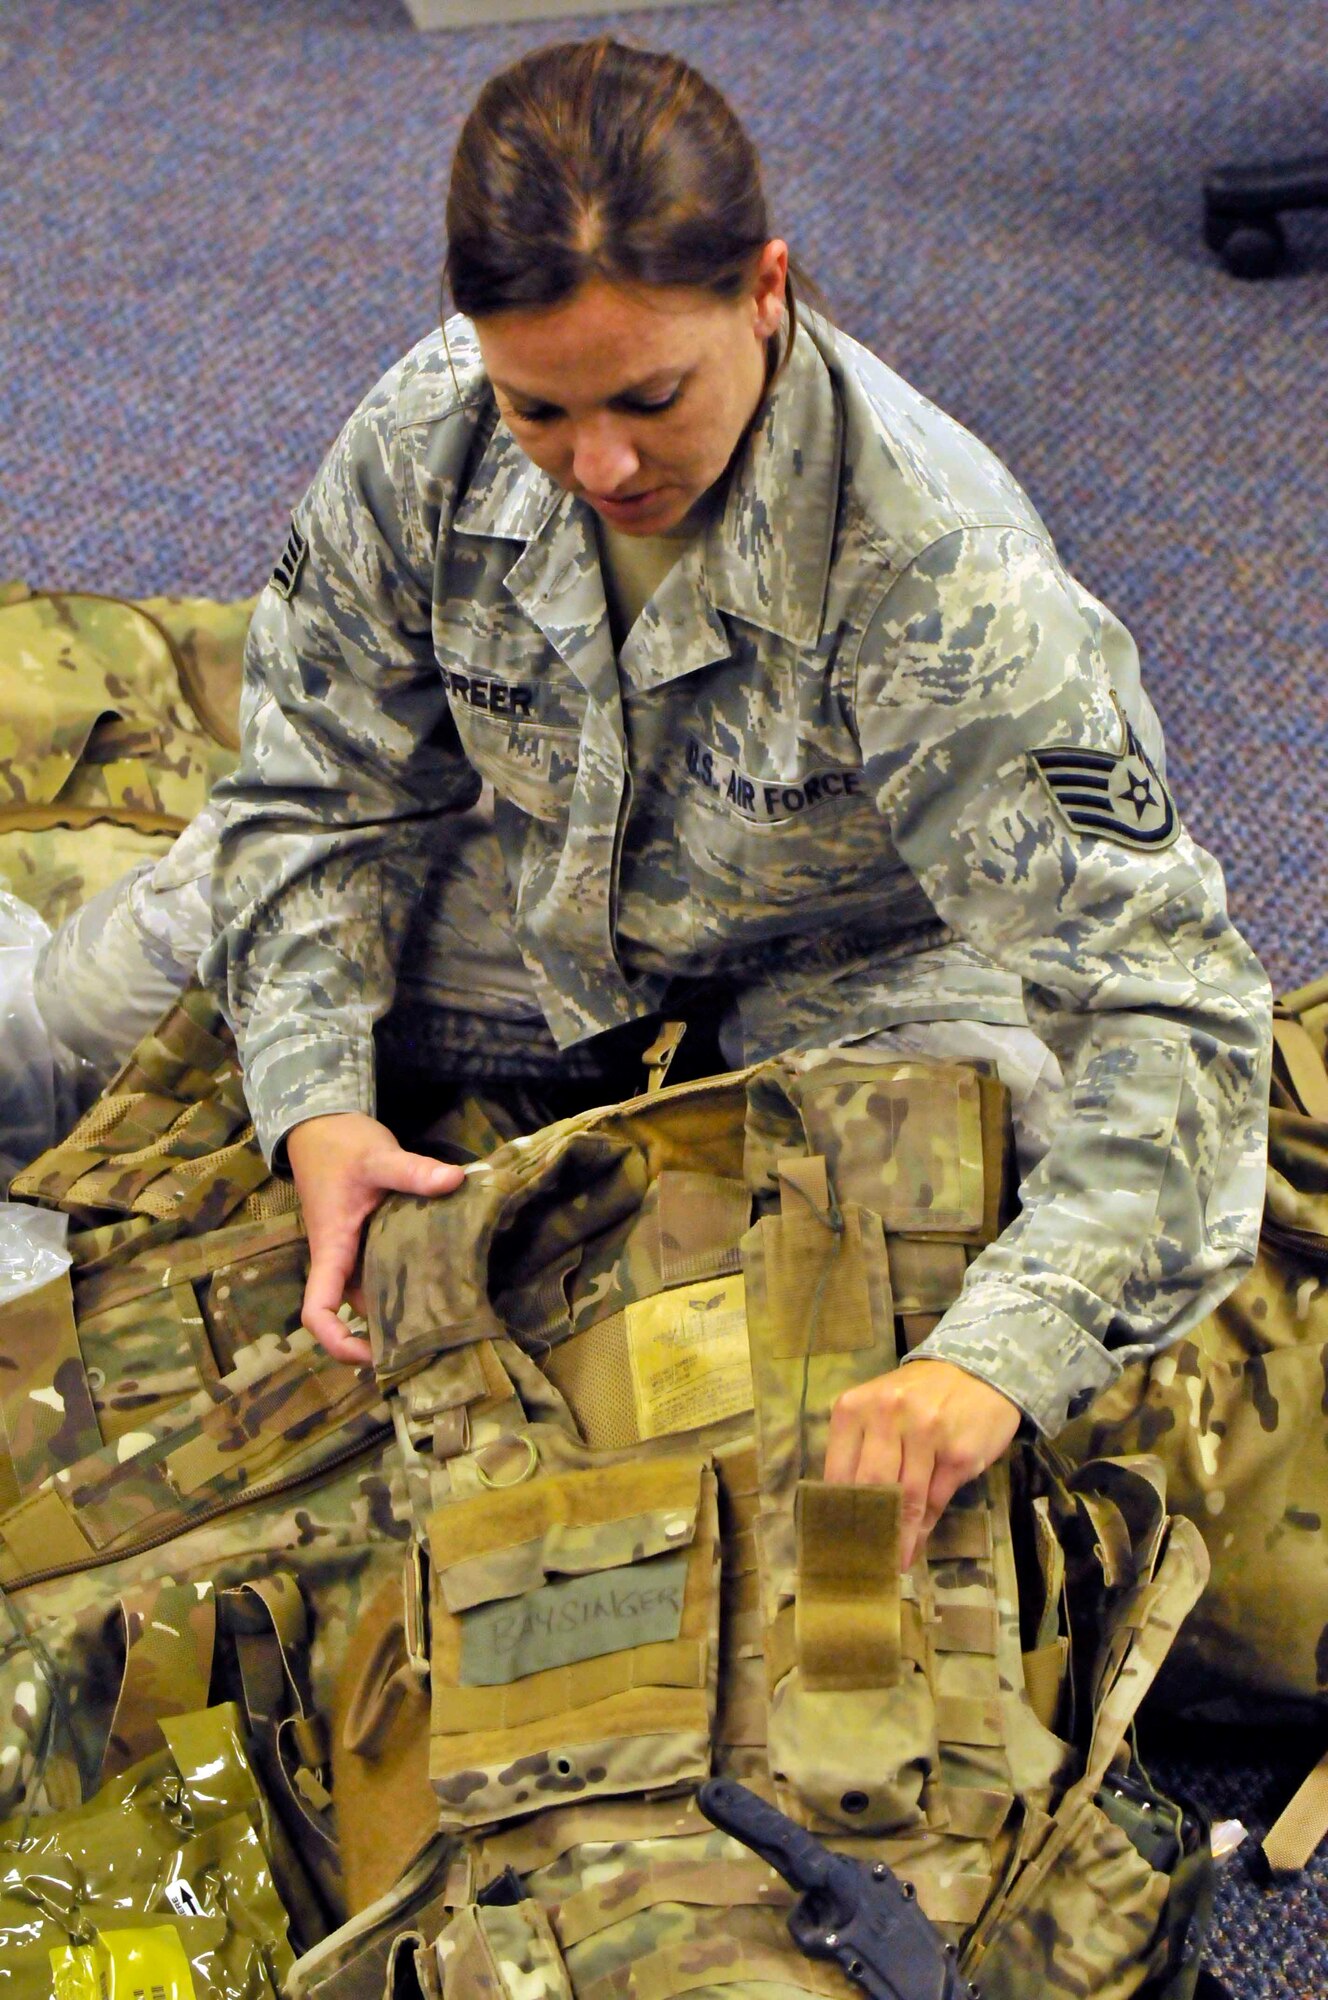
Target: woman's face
635 400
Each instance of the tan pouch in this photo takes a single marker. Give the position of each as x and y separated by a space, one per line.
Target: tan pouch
386 1810
502 1952
573 1638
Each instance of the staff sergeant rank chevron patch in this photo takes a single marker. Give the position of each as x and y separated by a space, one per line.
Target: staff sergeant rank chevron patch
1120 797
286 575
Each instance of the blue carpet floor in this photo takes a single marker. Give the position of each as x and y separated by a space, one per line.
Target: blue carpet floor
220 219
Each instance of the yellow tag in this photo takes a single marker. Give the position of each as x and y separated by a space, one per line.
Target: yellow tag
690 1360
124 1965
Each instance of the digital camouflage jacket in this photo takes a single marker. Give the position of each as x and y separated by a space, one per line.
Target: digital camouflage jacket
869 756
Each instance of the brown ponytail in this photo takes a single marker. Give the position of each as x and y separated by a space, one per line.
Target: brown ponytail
593 160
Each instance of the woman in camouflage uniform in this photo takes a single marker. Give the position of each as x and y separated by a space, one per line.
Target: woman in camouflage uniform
790 713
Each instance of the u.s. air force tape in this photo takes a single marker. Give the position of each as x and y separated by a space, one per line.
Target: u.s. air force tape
290 562
765 800
1121 797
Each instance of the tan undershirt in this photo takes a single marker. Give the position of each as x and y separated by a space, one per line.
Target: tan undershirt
634 566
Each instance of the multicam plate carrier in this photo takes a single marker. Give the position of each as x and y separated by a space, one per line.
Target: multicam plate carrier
608 1363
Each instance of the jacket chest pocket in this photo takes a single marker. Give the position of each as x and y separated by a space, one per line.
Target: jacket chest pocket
800 849
573 1640
533 764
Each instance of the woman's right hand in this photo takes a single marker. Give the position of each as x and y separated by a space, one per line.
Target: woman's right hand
344 1163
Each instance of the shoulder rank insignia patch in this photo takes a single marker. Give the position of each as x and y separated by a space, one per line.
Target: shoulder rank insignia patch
286 575
1121 797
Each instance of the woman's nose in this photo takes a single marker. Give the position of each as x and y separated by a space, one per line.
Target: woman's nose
604 460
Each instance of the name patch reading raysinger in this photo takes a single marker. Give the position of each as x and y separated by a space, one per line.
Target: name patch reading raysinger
576 1618
764 799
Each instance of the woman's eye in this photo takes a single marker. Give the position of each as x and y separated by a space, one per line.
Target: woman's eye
655 405
541 415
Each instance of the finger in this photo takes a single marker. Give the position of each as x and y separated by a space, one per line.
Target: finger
946 1481
843 1445
396 1171
918 1464
881 1457
342 1344
331 1262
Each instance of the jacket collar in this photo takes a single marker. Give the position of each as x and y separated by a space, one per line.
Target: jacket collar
766 556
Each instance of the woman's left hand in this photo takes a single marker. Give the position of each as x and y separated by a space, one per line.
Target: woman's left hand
928 1429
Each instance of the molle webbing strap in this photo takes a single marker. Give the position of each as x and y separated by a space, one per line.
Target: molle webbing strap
709 1882
546 1838
263 1422
195 1257
961 1533
847 1617
193 1462
45 1402
681 1968
946 1895
169 1635
1301 1825
1304 1067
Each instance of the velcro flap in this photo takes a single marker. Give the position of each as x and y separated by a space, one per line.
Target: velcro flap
905 1140
41 1533
818 1286
847 1620
501 1544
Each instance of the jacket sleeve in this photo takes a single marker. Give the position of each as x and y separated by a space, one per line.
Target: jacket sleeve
1145 1210
349 755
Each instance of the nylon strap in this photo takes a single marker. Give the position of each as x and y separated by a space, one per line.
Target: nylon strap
1301 1825
681 1968
961 1533
265 1421
42 819
554 1833
847 1618
1305 1067
709 1883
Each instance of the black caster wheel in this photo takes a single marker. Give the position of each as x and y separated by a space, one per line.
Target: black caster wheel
1253 249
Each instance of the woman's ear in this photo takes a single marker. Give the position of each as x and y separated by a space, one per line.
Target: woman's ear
769 288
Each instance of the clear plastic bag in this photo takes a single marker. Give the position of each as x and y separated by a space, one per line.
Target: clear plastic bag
32 1248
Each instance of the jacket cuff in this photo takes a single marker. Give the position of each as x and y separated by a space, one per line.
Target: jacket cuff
302 1077
1027 1348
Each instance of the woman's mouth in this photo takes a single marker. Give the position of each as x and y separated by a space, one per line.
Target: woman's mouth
624 506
